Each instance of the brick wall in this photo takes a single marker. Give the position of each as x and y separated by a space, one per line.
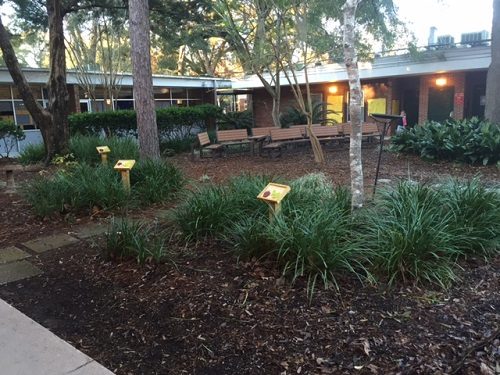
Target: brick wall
457 80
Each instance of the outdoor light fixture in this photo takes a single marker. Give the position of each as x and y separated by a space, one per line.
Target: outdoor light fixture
108 101
164 90
441 81
333 89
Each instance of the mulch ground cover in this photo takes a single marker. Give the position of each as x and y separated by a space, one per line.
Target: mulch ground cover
207 313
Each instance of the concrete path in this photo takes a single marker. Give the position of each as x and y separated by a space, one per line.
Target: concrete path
27 348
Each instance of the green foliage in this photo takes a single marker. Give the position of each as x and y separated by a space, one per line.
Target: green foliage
83 187
77 188
177 146
84 150
236 120
173 122
476 212
143 241
32 154
468 141
10 133
155 181
294 116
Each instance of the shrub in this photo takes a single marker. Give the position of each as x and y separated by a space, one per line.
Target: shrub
294 116
85 187
236 120
155 181
84 150
32 154
173 122
143 241
412 235
81 187
476 212
468 141
176 146
10 133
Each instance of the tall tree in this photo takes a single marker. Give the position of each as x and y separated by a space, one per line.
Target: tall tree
492 110
147 129
355 94
53 123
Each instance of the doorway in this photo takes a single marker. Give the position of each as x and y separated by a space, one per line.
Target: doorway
410 105
440 103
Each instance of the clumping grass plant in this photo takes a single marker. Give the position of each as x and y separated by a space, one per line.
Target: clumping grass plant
411 235
86 187
84 150
32 154
145 242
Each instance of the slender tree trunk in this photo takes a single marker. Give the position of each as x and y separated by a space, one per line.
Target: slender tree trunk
351 62
57 88
147 129
492 110
53 122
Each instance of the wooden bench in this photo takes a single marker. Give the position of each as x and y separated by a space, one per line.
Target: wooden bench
368 130
327 133
236 137
283 137
205 144
260 136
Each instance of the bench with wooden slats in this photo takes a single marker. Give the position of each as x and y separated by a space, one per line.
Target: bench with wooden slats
262 132
205 144
367 130
236 136
283 137
326 133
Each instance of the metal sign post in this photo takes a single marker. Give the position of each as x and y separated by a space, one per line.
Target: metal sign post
385 120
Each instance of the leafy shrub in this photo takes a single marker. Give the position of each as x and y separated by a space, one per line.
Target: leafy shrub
155 181
412 235
176 146
468 141
173 122
10 133
294 116
142 241
32 154
236 120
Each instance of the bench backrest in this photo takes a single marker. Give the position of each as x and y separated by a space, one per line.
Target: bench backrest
259 132
367 128
231 135
302 128
326 131
203 139
286 134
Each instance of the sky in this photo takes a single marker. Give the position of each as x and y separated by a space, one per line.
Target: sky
451 17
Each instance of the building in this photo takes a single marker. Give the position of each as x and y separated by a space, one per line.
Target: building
168 91
439 82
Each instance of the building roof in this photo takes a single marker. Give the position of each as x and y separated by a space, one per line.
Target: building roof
41 76
436 61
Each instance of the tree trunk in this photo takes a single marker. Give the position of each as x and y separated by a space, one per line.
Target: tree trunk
57 88
147 130
53 124
351 62
492 110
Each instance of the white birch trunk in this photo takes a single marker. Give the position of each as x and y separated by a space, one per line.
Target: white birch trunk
147 130
351 63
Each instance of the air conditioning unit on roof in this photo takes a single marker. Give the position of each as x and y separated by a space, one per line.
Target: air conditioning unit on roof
476 39
445 41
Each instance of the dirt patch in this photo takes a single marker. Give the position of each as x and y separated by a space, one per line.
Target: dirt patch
210 315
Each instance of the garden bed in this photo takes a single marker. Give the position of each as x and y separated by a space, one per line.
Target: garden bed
209 314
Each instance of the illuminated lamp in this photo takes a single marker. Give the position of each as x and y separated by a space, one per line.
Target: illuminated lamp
333 89
441 81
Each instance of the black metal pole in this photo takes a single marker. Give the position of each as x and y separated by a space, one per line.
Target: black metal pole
382 136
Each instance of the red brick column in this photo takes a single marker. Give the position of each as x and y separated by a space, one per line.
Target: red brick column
423 99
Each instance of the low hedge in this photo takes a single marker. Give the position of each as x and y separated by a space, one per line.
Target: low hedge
173 122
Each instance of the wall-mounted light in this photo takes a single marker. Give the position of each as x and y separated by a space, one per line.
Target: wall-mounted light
179 101
441 81
164 90
108 101
333 89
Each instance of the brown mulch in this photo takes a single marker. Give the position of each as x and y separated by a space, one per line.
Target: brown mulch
208 314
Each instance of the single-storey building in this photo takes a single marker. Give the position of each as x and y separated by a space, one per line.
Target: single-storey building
439 82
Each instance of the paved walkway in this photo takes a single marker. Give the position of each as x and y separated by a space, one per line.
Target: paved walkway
27 348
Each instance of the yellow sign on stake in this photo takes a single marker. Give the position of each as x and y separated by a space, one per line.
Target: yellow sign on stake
103 151
124 166
273 194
